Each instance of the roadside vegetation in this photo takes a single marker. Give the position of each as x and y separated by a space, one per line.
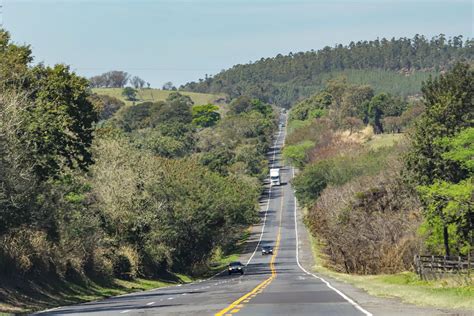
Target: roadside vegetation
96 194
384 177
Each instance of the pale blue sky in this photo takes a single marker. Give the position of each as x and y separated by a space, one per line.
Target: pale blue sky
181 40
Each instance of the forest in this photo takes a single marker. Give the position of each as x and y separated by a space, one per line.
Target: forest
92 188
384 178
397 66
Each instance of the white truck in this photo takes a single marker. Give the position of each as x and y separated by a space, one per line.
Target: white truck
274 176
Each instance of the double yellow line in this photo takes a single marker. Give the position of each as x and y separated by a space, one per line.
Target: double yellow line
237 305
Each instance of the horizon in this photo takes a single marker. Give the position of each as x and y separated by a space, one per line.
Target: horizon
182 41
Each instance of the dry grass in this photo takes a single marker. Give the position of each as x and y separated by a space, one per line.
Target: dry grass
407 286
385 140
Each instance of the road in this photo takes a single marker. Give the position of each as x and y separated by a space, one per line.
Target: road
271 285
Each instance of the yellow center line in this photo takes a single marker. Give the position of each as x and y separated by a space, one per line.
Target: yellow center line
259 288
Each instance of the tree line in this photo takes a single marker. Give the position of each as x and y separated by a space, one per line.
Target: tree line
285 79
117 79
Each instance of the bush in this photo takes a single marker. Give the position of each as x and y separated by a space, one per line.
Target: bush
126 263
338 170
368 225
297 154
24 250
100 264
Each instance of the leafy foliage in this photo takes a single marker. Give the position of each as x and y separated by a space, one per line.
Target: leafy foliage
205 115
448 100
129 93
448 215
105 105
297 154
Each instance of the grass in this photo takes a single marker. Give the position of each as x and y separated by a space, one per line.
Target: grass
21 296
407 286
154 95
384 140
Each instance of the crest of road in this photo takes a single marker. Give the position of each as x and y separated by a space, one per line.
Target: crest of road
272 284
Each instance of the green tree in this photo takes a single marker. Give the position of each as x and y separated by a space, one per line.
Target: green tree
129 93
375 111
449 212
177 108
240 105
14 62
297 154
448 100
440 158
205 115
60 124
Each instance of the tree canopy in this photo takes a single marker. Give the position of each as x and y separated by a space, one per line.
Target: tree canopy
282 80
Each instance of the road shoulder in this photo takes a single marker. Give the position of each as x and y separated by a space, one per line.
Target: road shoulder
374 304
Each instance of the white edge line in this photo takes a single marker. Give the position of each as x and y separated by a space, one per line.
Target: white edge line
317 277
268 201
48 310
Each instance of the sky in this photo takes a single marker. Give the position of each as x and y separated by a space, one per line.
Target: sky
182 40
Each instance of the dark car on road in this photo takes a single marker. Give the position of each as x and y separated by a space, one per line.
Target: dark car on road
267 250
236 267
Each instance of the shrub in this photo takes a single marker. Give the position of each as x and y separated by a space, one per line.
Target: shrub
24 250
368 225
339 170
126 263
297 154
100 263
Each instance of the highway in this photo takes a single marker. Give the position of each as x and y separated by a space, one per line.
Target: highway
272 285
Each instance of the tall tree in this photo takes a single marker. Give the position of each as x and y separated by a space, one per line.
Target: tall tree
137 82
437 157
449 108
61 120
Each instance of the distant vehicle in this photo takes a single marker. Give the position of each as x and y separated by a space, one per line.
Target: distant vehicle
274 176
236 267
267 250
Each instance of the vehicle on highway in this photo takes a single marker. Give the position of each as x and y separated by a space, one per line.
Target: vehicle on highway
274 176
267 250
236 267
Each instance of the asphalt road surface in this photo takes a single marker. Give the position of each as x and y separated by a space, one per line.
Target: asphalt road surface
272 285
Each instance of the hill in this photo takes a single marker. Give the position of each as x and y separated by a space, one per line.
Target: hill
161 95
396 66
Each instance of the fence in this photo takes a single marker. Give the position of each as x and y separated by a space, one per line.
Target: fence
438 266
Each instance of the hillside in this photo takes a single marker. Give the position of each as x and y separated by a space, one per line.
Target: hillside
161 95
397 66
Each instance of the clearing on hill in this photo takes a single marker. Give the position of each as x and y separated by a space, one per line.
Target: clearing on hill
153 95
